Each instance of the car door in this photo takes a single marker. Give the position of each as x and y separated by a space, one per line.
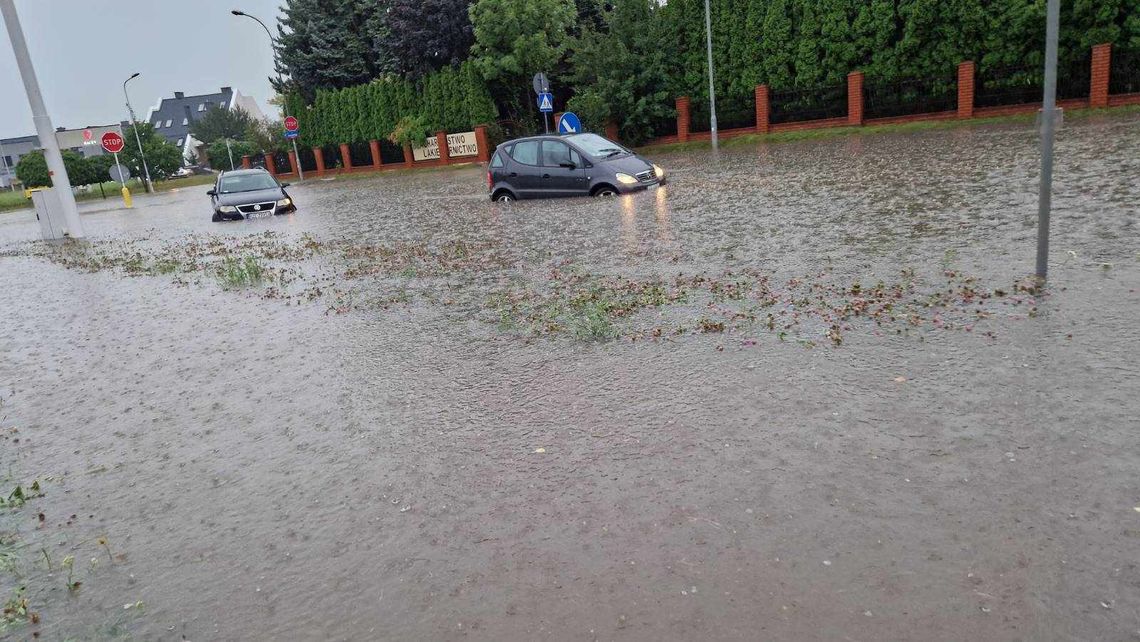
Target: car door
562 171
525 172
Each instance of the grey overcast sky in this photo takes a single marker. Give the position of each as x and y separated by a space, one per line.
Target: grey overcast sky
83 50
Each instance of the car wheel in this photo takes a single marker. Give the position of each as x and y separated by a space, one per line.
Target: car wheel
217 218
505 197
605 191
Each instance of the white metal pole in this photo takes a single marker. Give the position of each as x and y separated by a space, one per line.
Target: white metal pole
231 153
122 179
71 224
135 126
1048 129
712 91
300 172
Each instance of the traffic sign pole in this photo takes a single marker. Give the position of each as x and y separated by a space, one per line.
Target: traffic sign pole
127 202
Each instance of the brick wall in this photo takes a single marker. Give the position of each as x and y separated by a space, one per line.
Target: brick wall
855 98
683 119
763 109
1098 83
967 72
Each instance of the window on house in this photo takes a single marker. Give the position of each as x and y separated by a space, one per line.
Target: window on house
157 124
185 121
168 122
201 106
179 143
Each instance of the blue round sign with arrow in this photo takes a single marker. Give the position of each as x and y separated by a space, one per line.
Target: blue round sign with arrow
569 123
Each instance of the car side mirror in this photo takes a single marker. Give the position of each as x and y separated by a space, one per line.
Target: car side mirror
212 193
568 165
283 185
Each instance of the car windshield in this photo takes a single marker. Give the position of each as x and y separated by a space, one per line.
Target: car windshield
247 182
598 147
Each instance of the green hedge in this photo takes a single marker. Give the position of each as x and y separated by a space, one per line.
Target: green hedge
452 99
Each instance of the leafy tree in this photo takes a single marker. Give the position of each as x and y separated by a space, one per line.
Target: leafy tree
219 155
429 34
330 44
266 136
778 45
32 170
508 52
162 158
622 70
219 122
100 167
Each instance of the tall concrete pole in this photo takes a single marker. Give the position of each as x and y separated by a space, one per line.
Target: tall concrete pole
284 111
1048 129
71 224
712 91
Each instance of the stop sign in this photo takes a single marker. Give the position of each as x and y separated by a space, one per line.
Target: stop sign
112 142
291 124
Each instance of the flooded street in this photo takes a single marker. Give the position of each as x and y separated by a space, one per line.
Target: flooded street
804 391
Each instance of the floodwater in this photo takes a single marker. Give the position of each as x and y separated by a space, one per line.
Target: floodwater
802 392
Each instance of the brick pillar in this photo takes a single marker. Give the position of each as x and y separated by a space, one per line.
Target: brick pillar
293 166
683 119
444 152
855 98
270 165
484 153
409 158
762 109
345 156
245 162
320 156
1098 83
611 130
966 75
374 147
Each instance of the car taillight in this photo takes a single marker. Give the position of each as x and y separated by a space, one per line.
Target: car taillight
490 183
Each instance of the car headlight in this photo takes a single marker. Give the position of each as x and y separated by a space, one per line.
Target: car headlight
626 179
227 209
285 202
659 172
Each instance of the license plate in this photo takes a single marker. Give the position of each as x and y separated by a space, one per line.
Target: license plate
262 214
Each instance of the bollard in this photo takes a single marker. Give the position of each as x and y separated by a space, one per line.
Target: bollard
127 198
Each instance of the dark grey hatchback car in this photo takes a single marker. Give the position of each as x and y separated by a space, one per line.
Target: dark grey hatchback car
245 193
575 165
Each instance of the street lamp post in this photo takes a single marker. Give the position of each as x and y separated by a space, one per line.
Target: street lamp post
712 91
135 126
284 114
1048 128
70 226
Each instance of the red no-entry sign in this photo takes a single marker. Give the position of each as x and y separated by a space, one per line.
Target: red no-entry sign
112 142
291 124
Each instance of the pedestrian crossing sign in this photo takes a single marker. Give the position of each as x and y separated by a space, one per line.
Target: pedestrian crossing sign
545 102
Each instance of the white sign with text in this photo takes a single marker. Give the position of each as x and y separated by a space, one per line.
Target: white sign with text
462 144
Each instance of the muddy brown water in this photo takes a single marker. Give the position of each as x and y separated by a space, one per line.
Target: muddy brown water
271 471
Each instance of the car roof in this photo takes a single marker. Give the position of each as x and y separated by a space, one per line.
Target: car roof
241 172
543 137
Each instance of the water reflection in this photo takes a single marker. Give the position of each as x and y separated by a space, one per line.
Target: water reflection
661 211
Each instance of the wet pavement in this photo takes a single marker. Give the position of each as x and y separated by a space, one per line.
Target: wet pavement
805 391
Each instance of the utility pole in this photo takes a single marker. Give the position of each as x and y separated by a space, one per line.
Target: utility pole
284 112
712 91
1048 129
60 182
135 126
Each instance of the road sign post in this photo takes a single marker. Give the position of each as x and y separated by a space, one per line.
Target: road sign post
569 123
546 105
113 143
541 85
292 131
